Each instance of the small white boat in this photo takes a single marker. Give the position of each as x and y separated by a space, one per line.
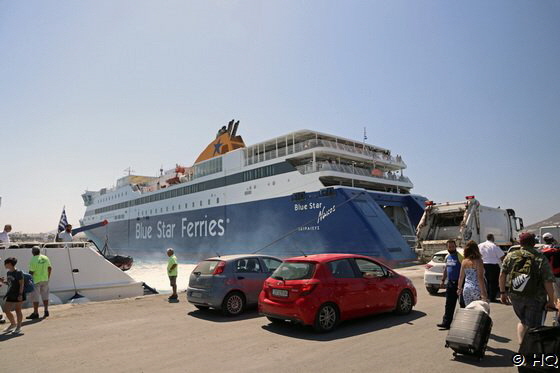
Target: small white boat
77 268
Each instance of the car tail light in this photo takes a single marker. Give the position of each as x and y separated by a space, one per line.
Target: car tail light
306 289
428 203
428 266
469 197
219 268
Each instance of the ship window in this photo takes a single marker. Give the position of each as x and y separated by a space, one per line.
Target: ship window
193 204
200 203
166 208
208 202
173 208
186 205
218 200
161 209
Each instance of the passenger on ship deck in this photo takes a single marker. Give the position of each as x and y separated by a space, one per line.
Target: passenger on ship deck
66 235
40 268
4 237
172 272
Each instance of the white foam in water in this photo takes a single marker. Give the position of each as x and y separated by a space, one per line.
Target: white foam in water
154 274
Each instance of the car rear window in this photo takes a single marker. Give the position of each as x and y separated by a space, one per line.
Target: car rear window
439 258
206 267
294 271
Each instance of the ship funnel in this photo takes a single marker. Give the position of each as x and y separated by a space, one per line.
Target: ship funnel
234 129
230 125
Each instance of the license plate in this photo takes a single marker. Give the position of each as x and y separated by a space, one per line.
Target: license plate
280 293
194 294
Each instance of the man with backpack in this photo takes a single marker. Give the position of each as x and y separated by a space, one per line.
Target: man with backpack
528 278
551 251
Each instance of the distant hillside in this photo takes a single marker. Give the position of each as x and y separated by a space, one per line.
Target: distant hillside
553 220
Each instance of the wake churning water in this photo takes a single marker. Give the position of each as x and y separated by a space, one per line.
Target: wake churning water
154 273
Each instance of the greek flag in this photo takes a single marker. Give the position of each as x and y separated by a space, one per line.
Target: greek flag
63 221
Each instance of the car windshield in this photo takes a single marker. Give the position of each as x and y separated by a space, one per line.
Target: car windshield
206 267
294 271
439 258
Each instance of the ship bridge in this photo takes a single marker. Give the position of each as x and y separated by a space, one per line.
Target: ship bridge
338 161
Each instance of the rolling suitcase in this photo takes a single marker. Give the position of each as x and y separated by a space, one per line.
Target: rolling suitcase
541 348
469 332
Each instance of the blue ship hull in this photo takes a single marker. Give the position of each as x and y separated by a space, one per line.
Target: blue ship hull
341 220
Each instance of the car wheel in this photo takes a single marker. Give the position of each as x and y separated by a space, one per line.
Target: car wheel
404 304
233 304
202 308
432 290
276 321
326 319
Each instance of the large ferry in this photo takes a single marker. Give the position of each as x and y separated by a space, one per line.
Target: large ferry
303 192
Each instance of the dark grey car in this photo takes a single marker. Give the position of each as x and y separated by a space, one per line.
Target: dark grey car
230 283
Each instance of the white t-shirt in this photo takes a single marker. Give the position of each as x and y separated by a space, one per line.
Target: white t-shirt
491 253
65 236
4 237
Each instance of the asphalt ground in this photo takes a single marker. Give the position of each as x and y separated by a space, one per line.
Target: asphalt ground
149 334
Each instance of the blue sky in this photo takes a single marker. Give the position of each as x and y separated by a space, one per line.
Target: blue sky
467 92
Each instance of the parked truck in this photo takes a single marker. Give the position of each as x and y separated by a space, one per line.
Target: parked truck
464 221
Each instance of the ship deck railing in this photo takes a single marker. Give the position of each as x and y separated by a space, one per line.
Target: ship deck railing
255 155
351 169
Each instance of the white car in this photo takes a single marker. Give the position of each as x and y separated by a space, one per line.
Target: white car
434 271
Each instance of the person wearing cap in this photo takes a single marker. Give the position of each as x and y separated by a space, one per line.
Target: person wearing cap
492 256
549 240
529 294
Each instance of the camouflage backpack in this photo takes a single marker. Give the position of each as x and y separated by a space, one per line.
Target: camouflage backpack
524 278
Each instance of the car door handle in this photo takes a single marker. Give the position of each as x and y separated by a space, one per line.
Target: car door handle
240 277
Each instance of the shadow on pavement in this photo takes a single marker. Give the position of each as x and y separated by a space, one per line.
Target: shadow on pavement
217 316
31 322
346 329
5 337
499 339
502 358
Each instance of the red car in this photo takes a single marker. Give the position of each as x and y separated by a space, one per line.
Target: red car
322 290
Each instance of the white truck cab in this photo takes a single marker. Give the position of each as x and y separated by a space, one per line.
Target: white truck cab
464 221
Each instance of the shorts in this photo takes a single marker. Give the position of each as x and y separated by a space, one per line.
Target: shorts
41 292
529 311
173 280
10 306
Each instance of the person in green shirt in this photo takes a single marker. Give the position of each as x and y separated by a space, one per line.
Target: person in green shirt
40 268
172 270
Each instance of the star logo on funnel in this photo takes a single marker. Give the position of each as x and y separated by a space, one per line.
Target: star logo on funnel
217 147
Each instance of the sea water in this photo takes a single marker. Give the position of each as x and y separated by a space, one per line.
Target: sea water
153 271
